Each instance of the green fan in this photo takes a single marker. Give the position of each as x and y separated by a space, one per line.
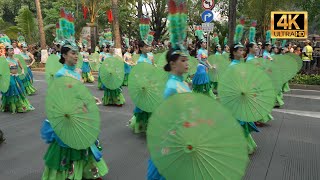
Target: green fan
220 63
297 59
247 92
156 57
80 61
94 61
112 73
226 55
270 69
146 86
4 75
135 58
73 113
24 66
162 61
192 137
193 65
52 67
287 66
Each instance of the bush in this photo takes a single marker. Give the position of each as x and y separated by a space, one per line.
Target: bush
313 79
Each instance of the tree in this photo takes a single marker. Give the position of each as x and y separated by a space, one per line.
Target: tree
158 17
44 52
27 25
116 30
232 20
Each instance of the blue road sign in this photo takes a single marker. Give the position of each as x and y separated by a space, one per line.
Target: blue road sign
207 16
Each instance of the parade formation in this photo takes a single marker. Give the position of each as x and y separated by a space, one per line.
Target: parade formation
197 110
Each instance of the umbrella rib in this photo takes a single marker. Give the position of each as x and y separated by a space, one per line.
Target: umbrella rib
209 172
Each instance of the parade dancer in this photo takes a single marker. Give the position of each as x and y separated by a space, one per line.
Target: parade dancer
251 51
103 55
177 65
139 121
226 48
15 99
236 53
127 63
200 81
28 80
86 69
218 47
61 161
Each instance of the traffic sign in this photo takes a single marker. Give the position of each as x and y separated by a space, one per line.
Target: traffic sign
207 27
207 16
208 4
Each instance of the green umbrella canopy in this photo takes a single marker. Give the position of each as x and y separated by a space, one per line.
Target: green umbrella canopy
271 70
24 66
191 137
162 60
146 86
4 75
80 61
247 92
288 66
135 58
193 65
221 63
72 112
297 59
112 73
52 67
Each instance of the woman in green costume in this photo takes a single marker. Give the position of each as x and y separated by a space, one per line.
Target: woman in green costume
61 161
28 80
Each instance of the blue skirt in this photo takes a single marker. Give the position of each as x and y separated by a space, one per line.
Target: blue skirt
200 78
86 67
16 87
127 68
153 173
29 76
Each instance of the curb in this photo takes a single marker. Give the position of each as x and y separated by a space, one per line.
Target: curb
304 86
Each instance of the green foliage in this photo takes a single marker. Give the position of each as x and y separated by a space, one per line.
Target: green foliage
313 79
27 24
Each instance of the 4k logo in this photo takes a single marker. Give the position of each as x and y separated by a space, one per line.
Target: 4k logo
289 25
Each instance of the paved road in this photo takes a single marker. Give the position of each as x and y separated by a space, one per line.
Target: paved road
289 146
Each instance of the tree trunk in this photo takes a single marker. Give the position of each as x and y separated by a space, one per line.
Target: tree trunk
139 8
44 52
116 28
232 20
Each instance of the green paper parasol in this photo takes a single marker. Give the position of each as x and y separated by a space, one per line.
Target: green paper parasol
193 137
156 57
146 86
52 67
24 66
80 61
135 58
297 59
112 73
162 61
288 66
271 70
226 55
193 65
94 61
221 63
73 113
247 92
4 75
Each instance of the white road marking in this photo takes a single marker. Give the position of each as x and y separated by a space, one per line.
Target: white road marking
299 113
303 96
310 90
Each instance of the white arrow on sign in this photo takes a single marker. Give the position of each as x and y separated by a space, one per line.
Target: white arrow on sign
207 16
